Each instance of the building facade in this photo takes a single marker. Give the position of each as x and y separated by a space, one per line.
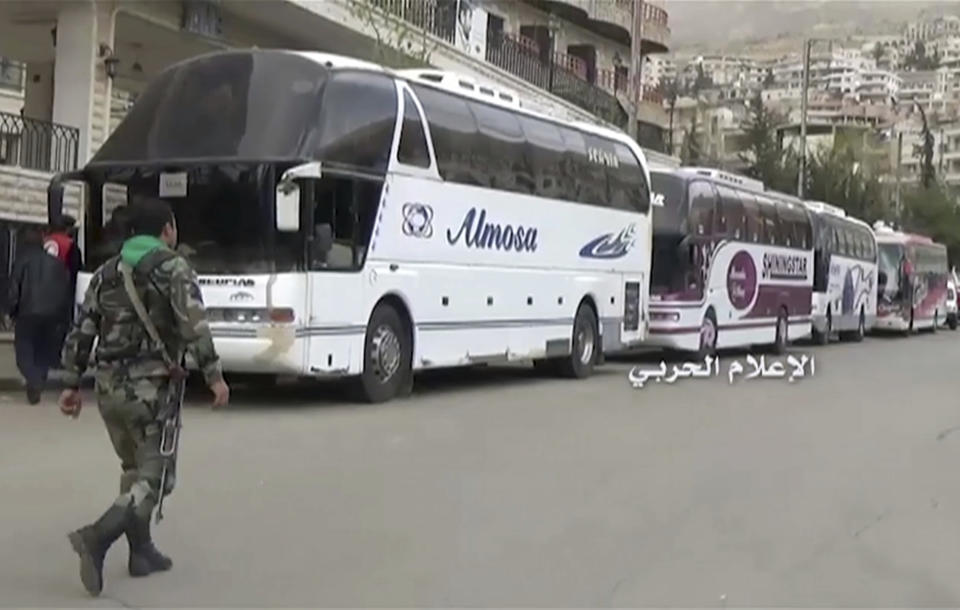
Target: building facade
74 67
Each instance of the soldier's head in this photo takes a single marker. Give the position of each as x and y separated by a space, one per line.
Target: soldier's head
154 217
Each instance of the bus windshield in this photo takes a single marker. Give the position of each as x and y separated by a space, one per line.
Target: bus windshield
251 105
231 123
220 221
890 257
669 228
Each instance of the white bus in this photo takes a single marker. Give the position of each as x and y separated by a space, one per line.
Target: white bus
732 263
347 220
844 274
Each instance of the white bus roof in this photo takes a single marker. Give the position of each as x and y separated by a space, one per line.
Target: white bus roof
825 208
460 85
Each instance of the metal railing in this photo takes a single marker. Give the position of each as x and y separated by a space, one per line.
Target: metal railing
651 13
439 17
38 145
553 72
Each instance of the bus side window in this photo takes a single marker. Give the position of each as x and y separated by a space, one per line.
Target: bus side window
770 233
732 214
454 133
358 122
703 202
628 185
752 221
545 151
412 149
579 185
503 145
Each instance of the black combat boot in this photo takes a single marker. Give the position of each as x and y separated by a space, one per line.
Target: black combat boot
93 541
145 559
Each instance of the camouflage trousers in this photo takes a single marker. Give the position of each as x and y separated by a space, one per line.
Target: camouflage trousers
129 408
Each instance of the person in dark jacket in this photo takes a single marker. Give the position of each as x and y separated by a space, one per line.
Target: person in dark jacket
38 288
61 242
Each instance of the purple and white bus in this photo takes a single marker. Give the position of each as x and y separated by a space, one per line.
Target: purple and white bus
912 282
732 263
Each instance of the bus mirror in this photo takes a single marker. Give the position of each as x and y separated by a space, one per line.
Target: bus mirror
288 207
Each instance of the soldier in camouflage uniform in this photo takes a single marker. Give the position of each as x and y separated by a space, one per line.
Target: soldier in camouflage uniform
132 378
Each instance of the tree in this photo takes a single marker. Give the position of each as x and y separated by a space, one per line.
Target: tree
691 151
765 160
671 91
934 212
769 80
702 81
919 60
924 151
843 175
401 38
878 52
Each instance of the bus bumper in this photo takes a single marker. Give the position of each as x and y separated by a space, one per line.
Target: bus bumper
270 351
892 323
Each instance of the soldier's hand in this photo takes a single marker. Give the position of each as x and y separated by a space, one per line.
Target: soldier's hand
221 393
70 403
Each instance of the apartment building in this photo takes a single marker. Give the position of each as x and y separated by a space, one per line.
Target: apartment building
79 64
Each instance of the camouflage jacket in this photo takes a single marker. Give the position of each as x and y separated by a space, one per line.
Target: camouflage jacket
168 287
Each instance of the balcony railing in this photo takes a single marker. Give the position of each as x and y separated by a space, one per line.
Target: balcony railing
439 17
560 74
651 13
38 145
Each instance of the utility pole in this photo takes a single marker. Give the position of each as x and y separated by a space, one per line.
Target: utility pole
635 88
801 179
899 162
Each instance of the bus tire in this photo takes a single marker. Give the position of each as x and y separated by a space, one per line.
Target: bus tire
583 345
708 336
952 322
823 338
783 331
387 356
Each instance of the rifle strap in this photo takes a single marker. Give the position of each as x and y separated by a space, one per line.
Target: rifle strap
127 272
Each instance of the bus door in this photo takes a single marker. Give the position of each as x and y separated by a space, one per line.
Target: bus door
634 308
341 210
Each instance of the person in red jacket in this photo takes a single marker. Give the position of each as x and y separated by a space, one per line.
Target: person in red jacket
60 243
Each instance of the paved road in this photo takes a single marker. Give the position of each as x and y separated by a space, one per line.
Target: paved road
498 488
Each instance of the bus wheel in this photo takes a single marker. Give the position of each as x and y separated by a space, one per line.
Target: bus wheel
780 344
823 338
583 347
708 336
387 356
952 322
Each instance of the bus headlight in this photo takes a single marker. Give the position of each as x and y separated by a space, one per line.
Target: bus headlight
664 316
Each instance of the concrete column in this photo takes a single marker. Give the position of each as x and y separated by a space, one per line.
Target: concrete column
81 95
38 92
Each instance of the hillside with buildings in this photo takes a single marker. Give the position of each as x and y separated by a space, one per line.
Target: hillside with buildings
774 27
868 86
